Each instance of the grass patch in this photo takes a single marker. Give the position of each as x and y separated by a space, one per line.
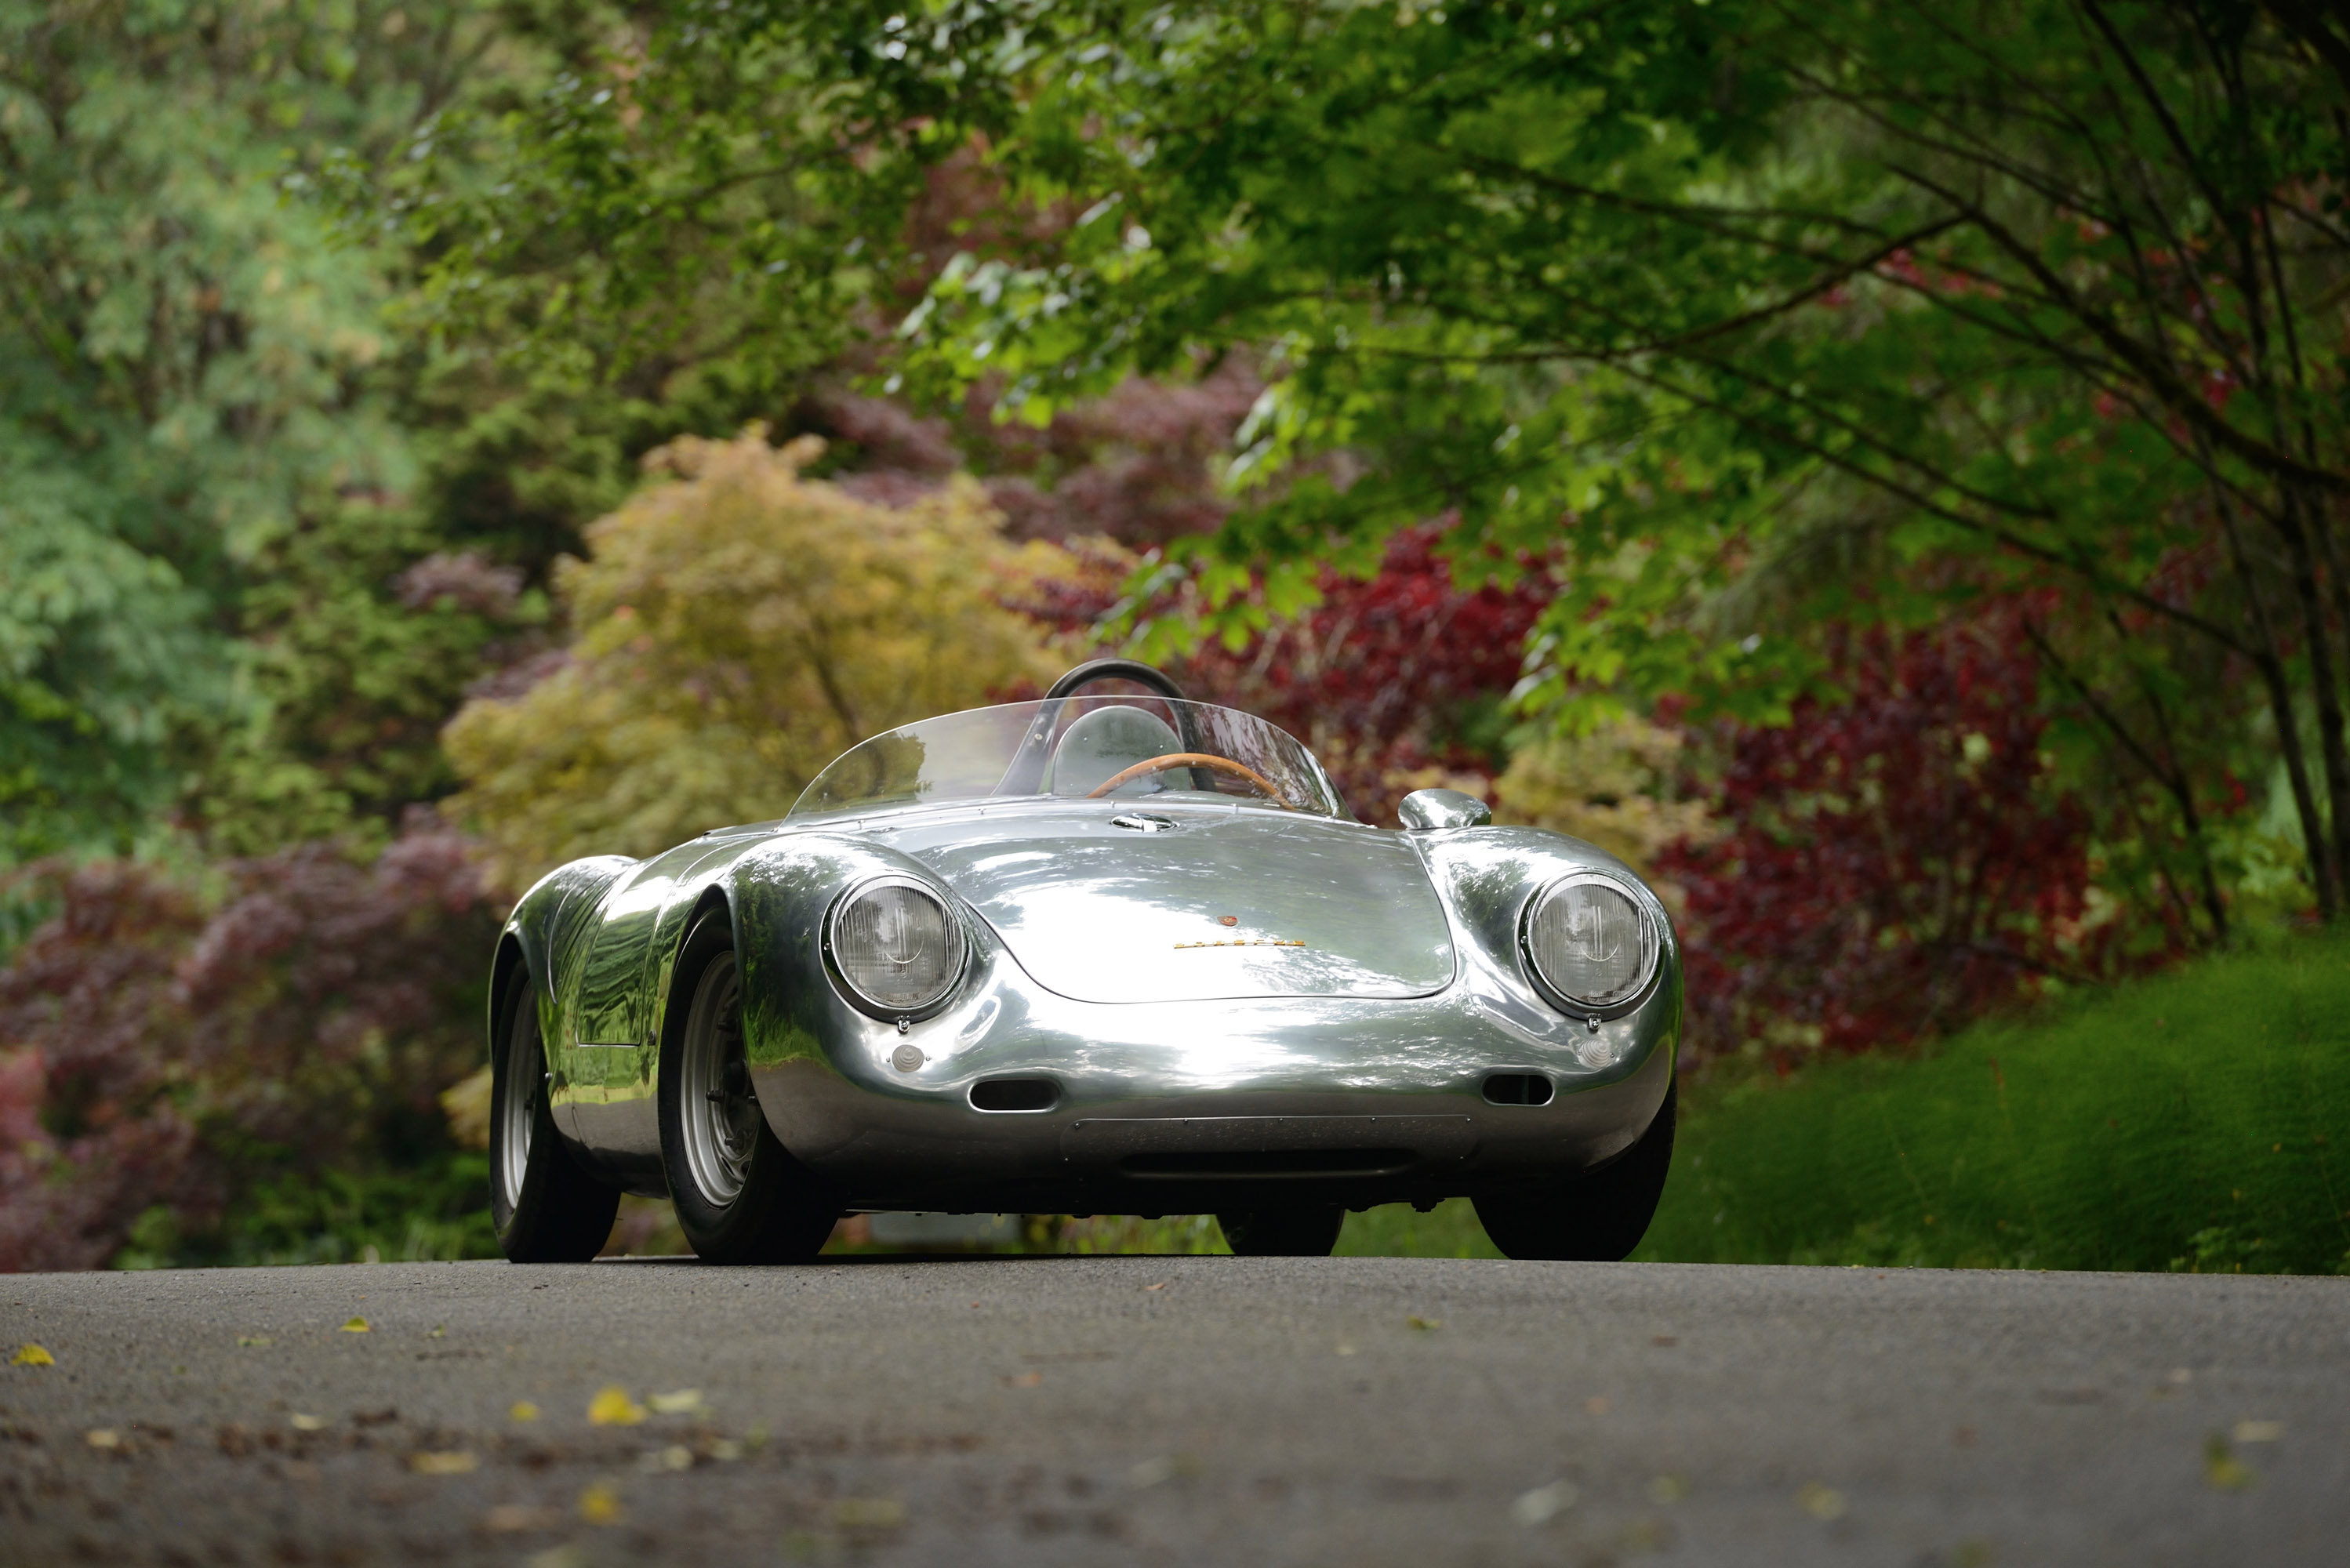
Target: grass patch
2194 1121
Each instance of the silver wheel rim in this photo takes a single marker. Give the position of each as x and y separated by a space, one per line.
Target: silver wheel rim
722 1119
519 1116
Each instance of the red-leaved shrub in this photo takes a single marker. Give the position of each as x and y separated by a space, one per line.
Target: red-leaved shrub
1896 863
160 1050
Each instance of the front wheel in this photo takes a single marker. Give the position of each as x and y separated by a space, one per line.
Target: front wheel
544 1207
740 1195
1598 1218
1281 1232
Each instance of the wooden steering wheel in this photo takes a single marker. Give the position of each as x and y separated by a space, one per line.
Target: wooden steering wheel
1194 759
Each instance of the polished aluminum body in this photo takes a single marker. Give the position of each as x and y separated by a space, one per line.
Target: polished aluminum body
1226 1004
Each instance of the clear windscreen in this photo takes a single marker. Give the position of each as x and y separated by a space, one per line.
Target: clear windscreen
1077 748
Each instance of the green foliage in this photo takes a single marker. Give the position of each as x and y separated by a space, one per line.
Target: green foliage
204 461
1760 317
434 1211
2190 1122
736 629
189 365
1398 1231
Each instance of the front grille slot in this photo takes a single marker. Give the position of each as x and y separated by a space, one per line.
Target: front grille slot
1241 1164
1014 1095
1517 1089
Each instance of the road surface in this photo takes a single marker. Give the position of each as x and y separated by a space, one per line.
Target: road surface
1226 1410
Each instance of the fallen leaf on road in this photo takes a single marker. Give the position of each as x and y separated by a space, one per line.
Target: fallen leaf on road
2259 1431
868 1513
448 1462
357 1325
1160 1286
613 1408
725 1451
254 1339
2223 1472
523 1410
1423 1322
29 1355
1148 1473
1544 1503
440 1331
1345 1350
1596 1403
306 1423
1023 1380
1669 1489
509 1517
683 1402
564 1557
600 1505
1822 1503
103 1438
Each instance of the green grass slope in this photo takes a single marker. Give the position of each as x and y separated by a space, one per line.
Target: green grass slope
2196 1120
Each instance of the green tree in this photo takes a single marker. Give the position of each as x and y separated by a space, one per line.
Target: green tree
209 486
737 627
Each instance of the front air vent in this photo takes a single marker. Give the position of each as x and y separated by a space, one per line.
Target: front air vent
1517 1089
1014 1095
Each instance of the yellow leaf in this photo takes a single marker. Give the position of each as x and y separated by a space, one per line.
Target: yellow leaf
600 1505
29 1355
2259 1431
1544 1503
449 1462
357 1325
306 1423
685 1402
613 1408
103 1438
868 1513
524 1410
1423 1322
1822 1503
2222 1470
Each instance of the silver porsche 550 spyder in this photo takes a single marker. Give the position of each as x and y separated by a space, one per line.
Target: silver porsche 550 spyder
1116 953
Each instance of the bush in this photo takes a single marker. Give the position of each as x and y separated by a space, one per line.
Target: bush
172 1054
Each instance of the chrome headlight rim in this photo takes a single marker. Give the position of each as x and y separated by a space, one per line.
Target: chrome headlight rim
1652 939
958 959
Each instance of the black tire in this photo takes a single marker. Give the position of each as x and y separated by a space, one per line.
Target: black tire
544 1205
1281 1232
1596 1218
740 1195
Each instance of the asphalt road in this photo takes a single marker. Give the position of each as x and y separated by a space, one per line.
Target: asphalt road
1228 1410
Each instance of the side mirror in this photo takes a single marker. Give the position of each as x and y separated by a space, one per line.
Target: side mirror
1429 810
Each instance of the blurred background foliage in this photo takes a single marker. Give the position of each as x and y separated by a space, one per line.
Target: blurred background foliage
1879 468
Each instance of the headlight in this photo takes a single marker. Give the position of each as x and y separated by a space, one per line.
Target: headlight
1590 943
896 946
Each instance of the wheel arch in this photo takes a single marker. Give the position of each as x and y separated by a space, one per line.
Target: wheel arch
509 962
669 1004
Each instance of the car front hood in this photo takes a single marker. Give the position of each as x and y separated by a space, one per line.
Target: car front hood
1222 903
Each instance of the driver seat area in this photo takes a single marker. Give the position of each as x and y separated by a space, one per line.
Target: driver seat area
1099 745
